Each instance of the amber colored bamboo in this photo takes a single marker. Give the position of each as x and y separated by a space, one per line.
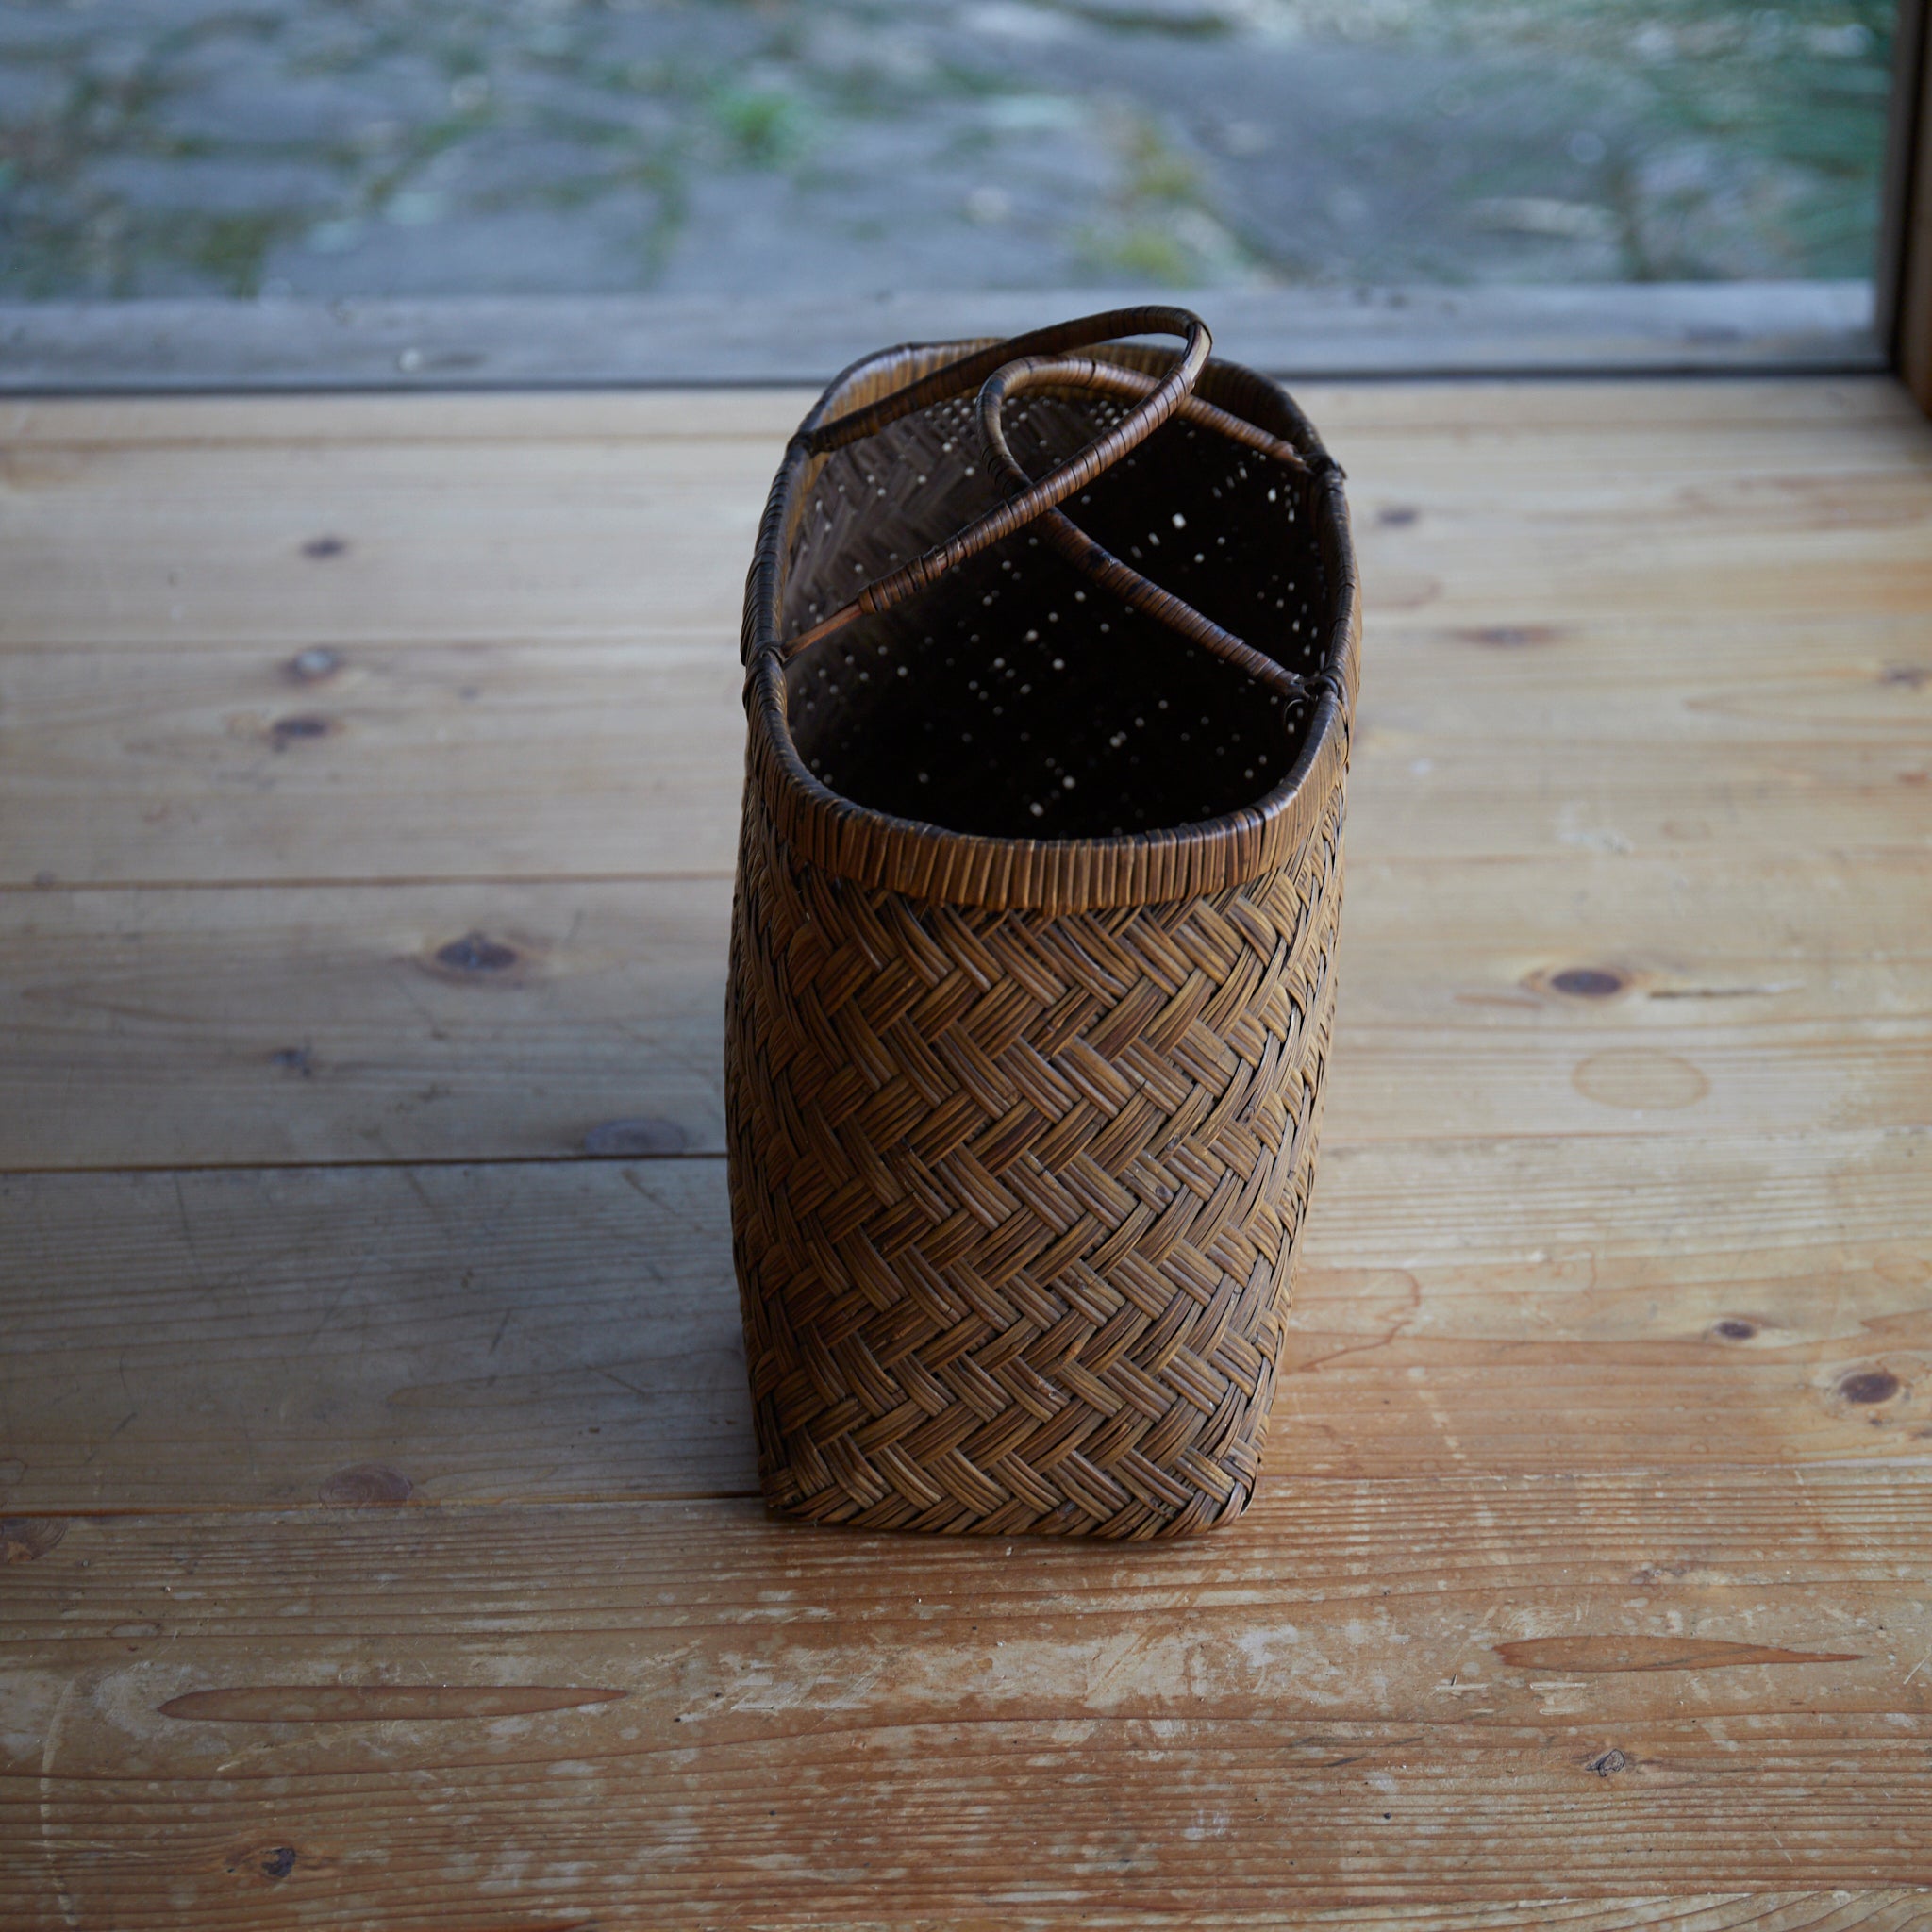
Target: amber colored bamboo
1021 1131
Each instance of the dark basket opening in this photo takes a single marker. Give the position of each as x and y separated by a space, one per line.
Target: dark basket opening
1016 698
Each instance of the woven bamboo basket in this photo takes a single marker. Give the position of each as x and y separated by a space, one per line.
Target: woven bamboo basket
1034 931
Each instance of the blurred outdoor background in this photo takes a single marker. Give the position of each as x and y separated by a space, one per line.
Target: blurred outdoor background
325 148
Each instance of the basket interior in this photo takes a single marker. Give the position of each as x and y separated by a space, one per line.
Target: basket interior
1017 699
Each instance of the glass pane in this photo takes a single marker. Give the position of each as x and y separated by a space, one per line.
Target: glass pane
364 147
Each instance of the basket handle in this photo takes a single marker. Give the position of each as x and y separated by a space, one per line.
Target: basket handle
1039 361
1095 559
1153 408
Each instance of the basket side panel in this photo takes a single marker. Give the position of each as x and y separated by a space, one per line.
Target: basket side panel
1016 1195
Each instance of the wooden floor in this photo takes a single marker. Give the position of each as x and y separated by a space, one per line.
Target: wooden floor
381 1534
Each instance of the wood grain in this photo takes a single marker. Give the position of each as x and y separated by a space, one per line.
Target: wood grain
375 1704
803 1710
326 1024
321 761
1596 994
1599 682
1674 415
1130 1821
367 1401
1592 1654
277 523
243 1340
326 760
369 1333
295 543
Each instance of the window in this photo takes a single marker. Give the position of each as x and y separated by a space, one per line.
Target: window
1583 179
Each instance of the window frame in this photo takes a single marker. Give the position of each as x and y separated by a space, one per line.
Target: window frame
1902 299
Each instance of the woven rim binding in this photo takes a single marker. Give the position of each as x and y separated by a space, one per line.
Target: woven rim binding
928 862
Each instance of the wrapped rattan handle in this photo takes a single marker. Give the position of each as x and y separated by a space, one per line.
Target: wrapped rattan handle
1095 559
1167 395
1037 361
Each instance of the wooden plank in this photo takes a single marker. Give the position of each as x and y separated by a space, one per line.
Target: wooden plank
1413 796
1893 1910
164 344
458 521
1603 1426
1798 678
562 760
1677 416
290 419
567 1331
1798 683
293 544
153 1028
297 719
1776 1911
472 1021
1699 1078
570 1330
1353 1701
327 1025
329 762
1595 994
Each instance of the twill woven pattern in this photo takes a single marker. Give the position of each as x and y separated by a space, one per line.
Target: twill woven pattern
1016 1193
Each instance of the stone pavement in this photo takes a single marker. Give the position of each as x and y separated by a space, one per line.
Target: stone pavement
334 147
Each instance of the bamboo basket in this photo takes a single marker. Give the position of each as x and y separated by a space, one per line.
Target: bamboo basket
1033 938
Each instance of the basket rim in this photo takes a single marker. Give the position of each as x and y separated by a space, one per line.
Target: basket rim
932 862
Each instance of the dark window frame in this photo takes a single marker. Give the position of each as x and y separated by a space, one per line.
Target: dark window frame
1903 301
